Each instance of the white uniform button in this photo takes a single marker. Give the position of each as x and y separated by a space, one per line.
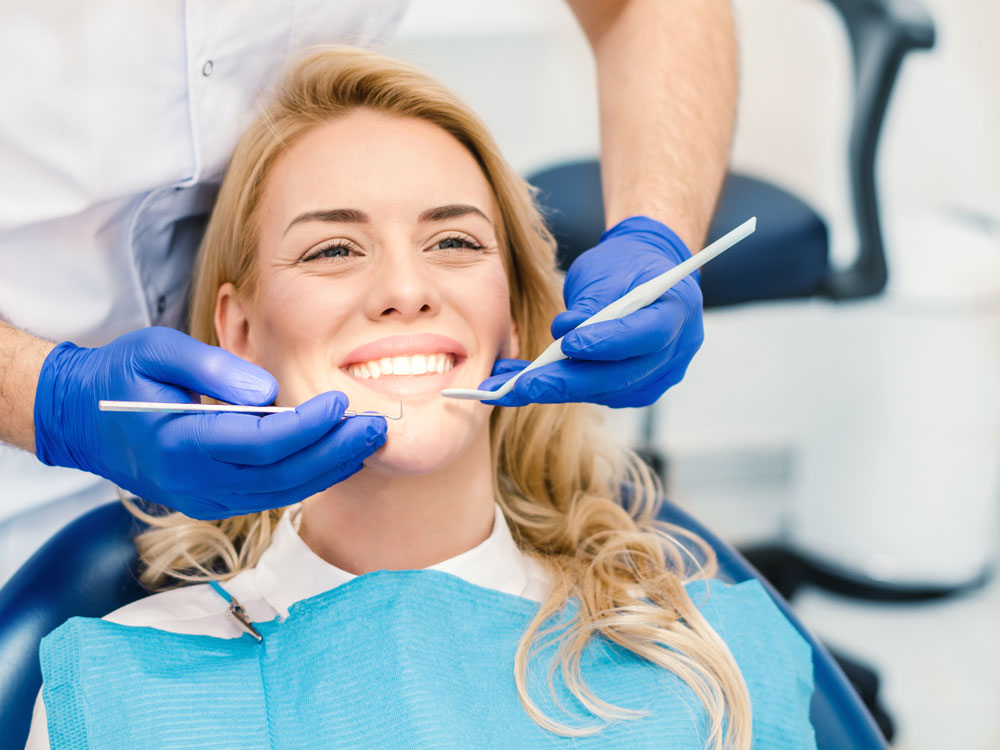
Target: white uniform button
206 69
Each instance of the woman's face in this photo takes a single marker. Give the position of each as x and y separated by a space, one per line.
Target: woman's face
379 267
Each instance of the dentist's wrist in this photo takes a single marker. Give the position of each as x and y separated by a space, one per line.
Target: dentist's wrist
21 357
654 233
57 426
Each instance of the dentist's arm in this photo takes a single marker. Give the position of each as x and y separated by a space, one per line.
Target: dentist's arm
207 466
21 358
667 77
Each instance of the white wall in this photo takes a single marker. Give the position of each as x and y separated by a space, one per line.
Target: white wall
523 66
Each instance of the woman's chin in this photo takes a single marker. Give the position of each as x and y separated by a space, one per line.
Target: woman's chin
430 437
404 458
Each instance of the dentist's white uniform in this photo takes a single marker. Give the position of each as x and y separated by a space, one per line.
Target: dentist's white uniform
117 120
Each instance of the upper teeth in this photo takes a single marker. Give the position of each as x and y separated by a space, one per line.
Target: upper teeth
417 364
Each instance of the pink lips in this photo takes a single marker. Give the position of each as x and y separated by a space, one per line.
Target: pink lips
395 346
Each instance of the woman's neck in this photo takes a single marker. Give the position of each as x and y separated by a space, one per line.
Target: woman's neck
372 521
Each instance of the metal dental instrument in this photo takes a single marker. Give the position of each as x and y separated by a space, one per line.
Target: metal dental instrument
643 295
167 407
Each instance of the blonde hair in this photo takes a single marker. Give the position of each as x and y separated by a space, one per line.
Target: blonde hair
581 505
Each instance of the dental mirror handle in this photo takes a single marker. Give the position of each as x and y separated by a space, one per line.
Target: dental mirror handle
164 407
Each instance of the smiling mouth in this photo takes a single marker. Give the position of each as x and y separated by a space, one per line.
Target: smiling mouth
408 366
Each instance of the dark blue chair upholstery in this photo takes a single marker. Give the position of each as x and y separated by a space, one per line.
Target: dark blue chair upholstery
786 258
89 569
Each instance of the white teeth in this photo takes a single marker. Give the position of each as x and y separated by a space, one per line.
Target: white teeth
400 365
417 364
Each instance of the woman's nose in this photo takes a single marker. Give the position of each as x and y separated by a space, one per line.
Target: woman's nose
402 286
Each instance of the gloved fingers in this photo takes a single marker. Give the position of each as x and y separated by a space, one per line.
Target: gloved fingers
639 394
245 439
186 500
648 393
335 476
572 380
203 509
503 370
169 356
281 498
494 383
503 366
511 399
556 382
349 443
645 331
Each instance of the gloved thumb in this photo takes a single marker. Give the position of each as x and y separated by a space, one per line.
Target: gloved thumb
169 356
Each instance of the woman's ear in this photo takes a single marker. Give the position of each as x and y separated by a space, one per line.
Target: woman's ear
232 323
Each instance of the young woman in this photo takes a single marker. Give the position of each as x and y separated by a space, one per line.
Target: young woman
490 577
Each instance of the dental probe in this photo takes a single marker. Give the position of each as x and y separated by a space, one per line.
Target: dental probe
642 296
167 407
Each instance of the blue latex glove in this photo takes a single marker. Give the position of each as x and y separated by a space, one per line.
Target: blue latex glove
630 361
207 466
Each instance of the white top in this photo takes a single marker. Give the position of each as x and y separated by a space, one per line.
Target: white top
289 571
118 119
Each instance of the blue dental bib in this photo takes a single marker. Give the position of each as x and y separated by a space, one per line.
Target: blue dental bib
408 659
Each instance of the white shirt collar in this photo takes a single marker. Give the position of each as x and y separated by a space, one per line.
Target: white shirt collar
290 571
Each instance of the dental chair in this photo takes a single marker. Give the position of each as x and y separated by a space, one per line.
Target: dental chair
90 569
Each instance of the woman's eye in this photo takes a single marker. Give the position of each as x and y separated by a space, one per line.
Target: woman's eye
452 243
329 251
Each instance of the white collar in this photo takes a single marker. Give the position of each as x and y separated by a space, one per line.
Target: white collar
290 571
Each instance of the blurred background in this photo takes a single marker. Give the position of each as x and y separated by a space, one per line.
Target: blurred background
862 436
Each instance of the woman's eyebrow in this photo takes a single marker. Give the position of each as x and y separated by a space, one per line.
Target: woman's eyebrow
351 215
354 216
450 212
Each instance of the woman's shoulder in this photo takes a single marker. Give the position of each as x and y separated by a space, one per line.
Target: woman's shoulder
758 633
744 609
774 658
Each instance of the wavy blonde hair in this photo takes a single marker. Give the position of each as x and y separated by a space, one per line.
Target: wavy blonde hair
581 505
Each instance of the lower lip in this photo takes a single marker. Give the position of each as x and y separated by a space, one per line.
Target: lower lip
409 385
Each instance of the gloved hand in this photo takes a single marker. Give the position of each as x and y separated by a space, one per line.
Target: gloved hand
207 466
629 361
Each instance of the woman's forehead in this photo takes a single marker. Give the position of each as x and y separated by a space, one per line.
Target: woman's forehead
380 165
